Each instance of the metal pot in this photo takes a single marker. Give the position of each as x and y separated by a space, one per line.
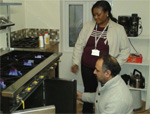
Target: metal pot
137 80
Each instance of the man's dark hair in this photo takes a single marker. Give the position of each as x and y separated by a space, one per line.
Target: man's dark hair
105 7
110 63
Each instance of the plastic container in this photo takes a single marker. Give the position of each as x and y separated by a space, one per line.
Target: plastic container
46 38
41 41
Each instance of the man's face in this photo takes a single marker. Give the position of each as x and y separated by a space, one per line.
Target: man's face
101 76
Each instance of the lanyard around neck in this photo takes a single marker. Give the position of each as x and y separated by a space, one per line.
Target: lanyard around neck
96 40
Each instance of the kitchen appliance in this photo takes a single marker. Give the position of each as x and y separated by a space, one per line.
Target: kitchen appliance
25 43
124 20
137 80
27 75
5 23
126 78
131 24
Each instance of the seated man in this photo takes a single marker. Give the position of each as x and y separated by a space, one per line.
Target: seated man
112 95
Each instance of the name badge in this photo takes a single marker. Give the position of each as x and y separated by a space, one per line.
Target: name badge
95 52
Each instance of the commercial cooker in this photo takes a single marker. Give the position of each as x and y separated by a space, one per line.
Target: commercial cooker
26 78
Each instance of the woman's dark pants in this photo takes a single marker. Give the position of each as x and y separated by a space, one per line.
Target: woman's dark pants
90 85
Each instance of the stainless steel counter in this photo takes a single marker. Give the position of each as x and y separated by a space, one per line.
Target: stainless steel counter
49 48
52 47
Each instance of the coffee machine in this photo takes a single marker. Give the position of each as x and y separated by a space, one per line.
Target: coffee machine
131 24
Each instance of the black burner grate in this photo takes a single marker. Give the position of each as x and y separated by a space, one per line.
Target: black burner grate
17 63
26 43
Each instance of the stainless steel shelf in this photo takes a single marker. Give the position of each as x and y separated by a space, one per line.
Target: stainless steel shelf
6 4
142 37
5 23
137 89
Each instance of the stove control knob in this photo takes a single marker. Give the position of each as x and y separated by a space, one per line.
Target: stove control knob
35 82
55 64
41 77
28 89
18 99
51 68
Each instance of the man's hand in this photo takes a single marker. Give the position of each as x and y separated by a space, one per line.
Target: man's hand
74 68
79 95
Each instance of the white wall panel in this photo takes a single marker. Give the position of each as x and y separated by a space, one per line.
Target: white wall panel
42 14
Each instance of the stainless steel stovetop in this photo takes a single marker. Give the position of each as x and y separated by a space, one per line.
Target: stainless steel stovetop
18 67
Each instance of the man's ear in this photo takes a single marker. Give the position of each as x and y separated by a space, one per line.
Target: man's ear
108 73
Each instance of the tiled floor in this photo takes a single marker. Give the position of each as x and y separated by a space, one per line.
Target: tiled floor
142 111
79 107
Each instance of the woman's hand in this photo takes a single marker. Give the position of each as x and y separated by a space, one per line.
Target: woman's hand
74 68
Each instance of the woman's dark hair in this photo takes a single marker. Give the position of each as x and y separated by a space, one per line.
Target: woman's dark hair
105 7
110 63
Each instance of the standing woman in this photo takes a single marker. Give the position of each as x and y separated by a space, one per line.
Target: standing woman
98 37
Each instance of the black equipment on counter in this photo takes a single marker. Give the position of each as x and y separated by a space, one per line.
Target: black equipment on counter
126 78
131 24
137 80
